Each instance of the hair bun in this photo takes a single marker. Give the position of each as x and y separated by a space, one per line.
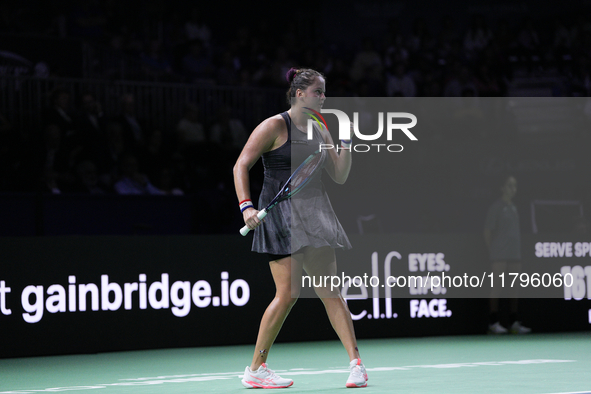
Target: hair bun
291 74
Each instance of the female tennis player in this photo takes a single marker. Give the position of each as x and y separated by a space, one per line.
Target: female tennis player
300 233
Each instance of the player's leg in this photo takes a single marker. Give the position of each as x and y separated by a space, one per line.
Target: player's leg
516 326
494 324
258 375
287 292
321 263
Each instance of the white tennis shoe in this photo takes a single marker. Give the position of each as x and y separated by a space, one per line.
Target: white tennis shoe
497 329
517 328
264 378
358 375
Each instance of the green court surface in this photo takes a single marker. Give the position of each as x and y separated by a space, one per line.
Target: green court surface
540 364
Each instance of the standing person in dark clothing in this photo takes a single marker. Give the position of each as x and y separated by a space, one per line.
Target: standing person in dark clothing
503 239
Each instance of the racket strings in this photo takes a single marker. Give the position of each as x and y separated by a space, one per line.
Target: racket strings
305 172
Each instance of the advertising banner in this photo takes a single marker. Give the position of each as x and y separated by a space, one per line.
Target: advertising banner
75 294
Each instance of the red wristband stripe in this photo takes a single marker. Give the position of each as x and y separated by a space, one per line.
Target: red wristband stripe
245 205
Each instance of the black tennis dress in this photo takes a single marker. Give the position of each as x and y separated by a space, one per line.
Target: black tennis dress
307 219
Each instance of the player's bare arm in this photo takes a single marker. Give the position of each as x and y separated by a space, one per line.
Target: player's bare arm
269 135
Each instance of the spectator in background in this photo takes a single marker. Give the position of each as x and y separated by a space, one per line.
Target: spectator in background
134 131
461 82
400 84
156 154
193 150
52 162
320 58
173 28
431 86
91 127
58 26
227 73
367 63
182 176
245 46
164 181
580 28
419 38
196 63
228 133
561 45
498 67
60 114
194 154
155 62
87 179
280 66
394 36
486 83
91 115
251 58
196 29
504 37
7 153
339 78
116 141
503 240
395 54
448 31
190 131
245 79
478 35
580 81
528 45
48 182
113 153
132 181
87 19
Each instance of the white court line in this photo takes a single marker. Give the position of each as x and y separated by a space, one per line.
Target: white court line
146 381
574 392
184 376
105 385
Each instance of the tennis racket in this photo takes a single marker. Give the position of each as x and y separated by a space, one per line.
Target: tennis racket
296 182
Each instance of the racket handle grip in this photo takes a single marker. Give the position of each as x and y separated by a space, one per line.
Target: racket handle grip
261 215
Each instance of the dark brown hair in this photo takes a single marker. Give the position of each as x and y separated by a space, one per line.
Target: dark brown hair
300 78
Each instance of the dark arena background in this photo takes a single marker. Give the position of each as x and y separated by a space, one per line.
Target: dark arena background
120 124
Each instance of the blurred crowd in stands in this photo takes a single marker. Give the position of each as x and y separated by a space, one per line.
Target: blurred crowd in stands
175 41
82 149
